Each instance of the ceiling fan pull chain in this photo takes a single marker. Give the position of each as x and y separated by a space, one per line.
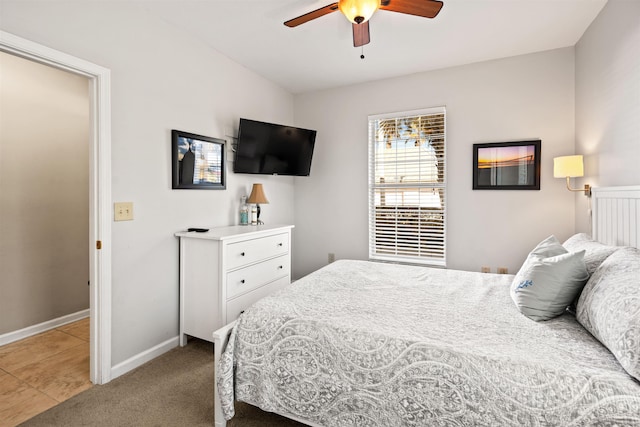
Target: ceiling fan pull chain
362 52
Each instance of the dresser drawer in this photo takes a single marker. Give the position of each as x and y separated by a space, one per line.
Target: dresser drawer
249 251
241 303
254 276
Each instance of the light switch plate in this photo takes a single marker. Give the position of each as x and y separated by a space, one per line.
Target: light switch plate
123 211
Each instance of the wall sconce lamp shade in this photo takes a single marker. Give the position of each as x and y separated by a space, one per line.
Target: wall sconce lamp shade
570 167
257 197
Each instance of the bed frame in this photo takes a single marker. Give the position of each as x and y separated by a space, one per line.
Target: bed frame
220 340
616 221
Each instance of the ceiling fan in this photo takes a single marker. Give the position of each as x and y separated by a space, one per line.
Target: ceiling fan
358 13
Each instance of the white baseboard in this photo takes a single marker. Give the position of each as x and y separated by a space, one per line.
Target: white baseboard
10 337
142 358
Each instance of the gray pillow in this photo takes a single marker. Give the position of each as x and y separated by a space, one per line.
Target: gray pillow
548 281
595 252
609 307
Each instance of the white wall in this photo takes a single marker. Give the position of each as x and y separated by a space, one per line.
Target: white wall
161 80
44 193
530 96
608 100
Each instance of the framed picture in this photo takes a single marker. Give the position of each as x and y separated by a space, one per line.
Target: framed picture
197 161
507 166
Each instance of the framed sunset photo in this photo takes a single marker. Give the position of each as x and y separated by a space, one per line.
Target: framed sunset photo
507 165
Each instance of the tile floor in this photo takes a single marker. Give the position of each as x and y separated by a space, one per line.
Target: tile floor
41 371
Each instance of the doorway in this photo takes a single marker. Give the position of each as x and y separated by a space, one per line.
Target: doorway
99 192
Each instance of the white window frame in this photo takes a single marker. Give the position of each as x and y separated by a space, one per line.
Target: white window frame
373 186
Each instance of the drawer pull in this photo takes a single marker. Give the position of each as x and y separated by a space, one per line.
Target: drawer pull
280 244
242 281
279 267
241 253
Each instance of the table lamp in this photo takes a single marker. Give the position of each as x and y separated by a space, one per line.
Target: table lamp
257 197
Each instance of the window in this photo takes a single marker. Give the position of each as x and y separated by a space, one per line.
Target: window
407 187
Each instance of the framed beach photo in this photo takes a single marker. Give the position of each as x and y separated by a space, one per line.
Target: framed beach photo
507 165
197 161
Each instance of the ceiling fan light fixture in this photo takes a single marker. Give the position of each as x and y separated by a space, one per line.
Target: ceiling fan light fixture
358 11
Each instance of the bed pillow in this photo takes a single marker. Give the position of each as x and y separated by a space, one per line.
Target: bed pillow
609 307
549 247
548 281
595 252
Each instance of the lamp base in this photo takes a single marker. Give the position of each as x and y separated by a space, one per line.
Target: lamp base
259 222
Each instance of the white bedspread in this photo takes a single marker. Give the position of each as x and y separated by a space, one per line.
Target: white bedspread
359 343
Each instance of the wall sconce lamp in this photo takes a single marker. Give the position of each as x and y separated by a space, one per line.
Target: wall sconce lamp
257 197
570 167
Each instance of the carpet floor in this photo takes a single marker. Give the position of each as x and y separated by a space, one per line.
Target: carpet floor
175 389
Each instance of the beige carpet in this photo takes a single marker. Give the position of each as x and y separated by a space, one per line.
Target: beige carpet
175 389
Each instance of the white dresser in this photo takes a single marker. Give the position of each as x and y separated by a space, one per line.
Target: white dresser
225 270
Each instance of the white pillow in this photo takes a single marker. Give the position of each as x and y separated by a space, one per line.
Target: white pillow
549 280
595 253
609 307
549 247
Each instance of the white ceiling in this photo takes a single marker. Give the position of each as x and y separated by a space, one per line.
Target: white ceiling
320 53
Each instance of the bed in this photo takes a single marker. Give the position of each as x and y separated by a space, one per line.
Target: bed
359 343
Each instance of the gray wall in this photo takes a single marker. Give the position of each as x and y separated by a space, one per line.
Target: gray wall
608 101
523 97
44 193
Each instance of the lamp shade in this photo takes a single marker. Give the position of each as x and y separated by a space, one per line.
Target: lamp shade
358 11
568 166
257 195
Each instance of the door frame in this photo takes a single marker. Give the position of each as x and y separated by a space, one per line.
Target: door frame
99 191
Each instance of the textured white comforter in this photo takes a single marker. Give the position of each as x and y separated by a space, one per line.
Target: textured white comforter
360 343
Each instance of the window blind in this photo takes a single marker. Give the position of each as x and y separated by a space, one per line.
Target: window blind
407 187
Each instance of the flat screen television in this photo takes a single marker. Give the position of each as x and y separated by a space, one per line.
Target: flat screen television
271 149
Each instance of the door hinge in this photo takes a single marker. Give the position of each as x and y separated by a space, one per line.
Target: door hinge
98 244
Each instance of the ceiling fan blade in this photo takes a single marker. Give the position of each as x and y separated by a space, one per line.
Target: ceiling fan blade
312 15
361 34
424 8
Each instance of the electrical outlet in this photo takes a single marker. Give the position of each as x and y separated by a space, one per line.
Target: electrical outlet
503 270
123 211
485 269
331 257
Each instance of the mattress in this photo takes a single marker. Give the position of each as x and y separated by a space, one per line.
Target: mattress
373 344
